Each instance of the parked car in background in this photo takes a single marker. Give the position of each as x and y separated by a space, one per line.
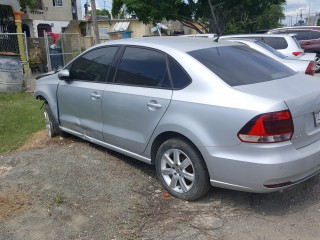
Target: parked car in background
308 37
295 64
203 35
284 43
202 112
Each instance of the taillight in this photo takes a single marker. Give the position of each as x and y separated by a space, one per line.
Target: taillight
296 53
268 128
310 69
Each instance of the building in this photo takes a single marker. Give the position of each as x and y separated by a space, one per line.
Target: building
50 16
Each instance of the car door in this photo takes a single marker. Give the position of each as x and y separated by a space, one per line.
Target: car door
79 98
134 103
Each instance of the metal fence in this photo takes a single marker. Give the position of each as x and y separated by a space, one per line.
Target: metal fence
62 50
14 43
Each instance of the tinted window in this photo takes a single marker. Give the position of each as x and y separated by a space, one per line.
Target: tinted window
142 67
179 77
301 35
94 65
240 65
315 34
276 42
270 49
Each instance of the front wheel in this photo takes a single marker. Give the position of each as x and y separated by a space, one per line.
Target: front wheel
181 170
51 124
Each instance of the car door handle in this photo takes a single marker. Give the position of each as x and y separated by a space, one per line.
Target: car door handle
95 96
154 105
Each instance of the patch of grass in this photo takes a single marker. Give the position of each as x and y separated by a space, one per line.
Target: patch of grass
59 198
20 116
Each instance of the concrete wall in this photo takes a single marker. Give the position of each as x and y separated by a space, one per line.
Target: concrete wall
138 28
13 3
57 25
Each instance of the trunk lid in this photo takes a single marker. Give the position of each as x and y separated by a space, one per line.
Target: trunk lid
301 93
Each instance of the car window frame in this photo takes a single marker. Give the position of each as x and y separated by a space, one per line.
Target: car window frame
170 74
120 56
70 65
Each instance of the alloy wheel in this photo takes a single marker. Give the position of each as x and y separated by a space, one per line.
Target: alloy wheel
48 124
177 170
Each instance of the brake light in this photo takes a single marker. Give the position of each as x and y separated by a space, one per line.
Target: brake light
310 69
296 53
268 128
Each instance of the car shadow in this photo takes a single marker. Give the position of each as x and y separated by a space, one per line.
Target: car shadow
278 203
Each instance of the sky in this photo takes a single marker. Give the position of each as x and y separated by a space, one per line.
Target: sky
294 8
100 4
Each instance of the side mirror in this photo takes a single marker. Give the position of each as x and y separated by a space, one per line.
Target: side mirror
64 74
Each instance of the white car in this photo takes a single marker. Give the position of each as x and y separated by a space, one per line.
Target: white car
285 43
296 64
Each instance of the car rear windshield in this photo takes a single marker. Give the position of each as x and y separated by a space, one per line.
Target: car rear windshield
240 65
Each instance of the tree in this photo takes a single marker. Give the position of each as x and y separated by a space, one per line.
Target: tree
102 12
202 15
30 3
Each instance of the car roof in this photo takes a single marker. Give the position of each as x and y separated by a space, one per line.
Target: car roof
256 35
297 28
166 43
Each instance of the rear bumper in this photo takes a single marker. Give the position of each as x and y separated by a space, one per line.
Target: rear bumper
252 167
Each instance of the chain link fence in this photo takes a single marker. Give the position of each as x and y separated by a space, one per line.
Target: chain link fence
14 44
62 50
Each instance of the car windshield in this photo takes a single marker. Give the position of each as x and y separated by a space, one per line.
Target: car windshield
270 49
240 65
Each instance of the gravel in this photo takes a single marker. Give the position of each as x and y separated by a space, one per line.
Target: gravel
65 188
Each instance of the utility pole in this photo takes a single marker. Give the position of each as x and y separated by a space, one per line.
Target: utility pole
95 22
86 14
309 13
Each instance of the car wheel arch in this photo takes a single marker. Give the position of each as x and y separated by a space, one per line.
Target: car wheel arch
53 105
164 136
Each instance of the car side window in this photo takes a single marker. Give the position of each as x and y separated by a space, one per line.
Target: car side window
94 65
276 42
315 34
302 35
179 77
142 67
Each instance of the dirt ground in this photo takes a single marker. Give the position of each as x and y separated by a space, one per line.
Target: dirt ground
64 188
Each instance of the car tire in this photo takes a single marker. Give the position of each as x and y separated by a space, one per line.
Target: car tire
317 63
51 123
181 169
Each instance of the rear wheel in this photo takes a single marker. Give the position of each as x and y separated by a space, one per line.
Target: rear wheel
51 124
181 170
317 63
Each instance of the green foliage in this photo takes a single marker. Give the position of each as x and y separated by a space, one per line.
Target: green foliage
102 12
30 3
59 199
318 22
20 117
205 16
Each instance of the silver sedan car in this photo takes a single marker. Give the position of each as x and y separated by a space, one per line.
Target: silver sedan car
180 104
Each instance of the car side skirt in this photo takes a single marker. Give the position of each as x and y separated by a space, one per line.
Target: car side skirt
109 146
